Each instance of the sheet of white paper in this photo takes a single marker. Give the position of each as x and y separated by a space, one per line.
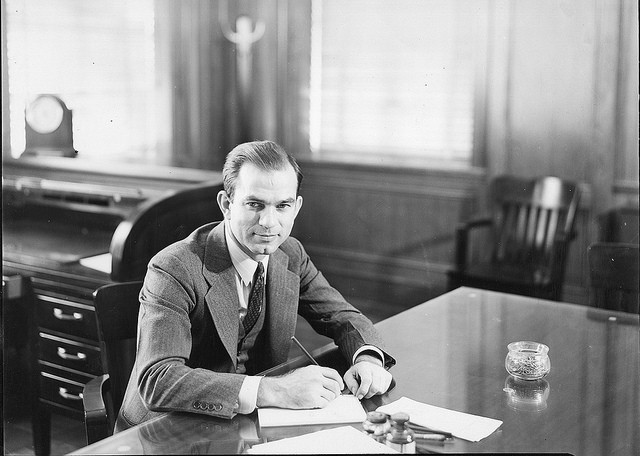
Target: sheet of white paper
340 440
100 262
344 409
462 425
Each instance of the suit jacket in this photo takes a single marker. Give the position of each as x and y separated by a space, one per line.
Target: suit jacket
188 325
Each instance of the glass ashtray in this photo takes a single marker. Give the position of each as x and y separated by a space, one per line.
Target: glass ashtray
528 360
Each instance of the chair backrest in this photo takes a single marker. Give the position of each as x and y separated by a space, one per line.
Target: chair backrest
533 219
158 223
116 307
614 276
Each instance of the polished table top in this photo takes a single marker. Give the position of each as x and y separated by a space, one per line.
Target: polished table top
451 353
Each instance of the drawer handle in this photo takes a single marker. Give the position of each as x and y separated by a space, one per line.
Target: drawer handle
60 315
62 353
66 395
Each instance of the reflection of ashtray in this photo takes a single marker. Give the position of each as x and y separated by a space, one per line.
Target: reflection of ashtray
526 395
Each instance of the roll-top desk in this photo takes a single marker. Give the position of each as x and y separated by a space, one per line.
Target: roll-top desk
69 230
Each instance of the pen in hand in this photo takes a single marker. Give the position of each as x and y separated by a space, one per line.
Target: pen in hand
304 350
312 359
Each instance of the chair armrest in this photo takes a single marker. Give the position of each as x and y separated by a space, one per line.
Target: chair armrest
96 417
474 223
462 239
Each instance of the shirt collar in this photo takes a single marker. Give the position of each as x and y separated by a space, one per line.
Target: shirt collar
244 264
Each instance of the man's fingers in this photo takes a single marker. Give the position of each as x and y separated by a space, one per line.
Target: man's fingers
365 380
365 384
332 387
379 384
351 381
333 375
328 395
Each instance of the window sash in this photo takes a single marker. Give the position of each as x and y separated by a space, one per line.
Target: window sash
394 79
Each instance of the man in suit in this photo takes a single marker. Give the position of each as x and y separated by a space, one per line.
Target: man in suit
220 306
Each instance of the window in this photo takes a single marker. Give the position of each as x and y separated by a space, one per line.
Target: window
394 80
98 57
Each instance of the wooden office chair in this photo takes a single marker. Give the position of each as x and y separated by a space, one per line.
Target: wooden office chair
116 307
527 237
614 276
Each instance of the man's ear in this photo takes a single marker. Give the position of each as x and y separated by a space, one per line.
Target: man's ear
298 205
224 202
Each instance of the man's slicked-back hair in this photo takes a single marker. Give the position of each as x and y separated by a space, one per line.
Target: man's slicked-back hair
265 155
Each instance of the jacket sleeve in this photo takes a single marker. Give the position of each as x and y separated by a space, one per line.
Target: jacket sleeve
169 301
330 314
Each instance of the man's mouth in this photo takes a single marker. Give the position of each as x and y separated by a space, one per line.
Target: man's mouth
266 235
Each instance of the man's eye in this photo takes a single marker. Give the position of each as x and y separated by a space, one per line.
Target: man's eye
254 204
284 206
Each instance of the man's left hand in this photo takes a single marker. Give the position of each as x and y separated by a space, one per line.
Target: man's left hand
367 377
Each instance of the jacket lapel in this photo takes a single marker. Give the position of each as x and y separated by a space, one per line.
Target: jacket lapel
222 299
282 307
222 296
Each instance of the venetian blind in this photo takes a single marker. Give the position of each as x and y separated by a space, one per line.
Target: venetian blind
393 78
98 56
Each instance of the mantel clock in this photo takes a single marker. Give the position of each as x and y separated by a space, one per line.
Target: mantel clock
49 128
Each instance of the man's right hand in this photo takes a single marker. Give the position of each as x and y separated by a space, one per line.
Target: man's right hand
304 388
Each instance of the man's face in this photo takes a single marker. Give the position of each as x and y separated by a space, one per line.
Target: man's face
263 209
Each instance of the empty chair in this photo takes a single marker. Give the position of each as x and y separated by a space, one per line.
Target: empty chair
614 277
116 307
525 238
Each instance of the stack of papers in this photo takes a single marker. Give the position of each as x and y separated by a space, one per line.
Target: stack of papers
463 425
343 409
340 440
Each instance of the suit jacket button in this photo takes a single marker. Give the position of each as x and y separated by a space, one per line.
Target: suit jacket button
196 404
211 407
218 407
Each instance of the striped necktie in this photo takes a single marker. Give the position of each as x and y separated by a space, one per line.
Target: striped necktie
256 298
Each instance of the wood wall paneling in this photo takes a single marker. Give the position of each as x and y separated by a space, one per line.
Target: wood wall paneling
384 235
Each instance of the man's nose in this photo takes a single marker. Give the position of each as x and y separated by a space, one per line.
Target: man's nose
268 217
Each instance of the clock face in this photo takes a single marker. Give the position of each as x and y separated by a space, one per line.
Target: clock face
45 114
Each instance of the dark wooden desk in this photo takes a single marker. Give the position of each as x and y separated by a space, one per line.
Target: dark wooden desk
450 353
57 213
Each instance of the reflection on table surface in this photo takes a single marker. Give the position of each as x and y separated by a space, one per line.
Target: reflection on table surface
451 353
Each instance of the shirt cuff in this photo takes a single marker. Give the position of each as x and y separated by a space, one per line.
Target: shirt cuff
368 348
248 395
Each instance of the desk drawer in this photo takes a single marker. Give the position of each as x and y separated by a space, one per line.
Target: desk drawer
68 353
67 317
63 388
